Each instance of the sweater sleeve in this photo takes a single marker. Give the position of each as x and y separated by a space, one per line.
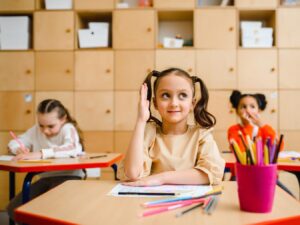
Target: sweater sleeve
209 160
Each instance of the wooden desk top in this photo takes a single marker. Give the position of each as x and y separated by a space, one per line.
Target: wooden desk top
63 164
288 166
86 202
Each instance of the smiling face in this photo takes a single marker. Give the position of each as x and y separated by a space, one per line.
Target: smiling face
247 105
174 100
49 123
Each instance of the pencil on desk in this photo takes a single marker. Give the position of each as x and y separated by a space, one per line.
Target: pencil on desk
97 156
34 161
147 193
190 209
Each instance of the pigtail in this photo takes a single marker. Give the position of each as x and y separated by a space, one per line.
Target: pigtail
147 81
202 116
261 99
235 98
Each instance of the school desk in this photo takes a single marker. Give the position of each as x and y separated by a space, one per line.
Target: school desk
291 166
86 202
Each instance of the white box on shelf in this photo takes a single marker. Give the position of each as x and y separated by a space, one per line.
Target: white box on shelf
91 39
99 26
14 41
257 42
14 24
58 4
250 24
260 32
172 42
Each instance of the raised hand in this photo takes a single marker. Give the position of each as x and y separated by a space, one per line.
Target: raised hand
143 113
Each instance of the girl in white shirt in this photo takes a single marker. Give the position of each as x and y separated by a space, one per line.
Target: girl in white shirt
56 135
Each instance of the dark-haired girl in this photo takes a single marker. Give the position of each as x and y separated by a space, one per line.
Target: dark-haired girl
55 135
169 150
248 108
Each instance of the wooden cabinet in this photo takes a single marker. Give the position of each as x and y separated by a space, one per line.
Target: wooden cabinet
93 4
65 97
132 68
288 31
23 117
219 105
256 3
94 110
16 5
16 76
257 69
53 30
134 29
54 71
215 28
94 70
174 4
184 59
125 119
291 140
98 141
122 140
217 68
289 67
289 110
220 137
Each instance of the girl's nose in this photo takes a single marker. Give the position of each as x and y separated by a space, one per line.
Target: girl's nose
174 102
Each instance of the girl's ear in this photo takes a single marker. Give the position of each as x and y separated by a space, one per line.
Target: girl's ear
64 119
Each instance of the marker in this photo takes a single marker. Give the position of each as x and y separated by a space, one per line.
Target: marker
146 193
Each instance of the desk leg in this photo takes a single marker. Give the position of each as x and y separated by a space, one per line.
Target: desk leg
12 188
26 187
115 168
297 174
283 187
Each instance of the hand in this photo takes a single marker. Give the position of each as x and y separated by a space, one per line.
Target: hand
22 150
30 155
153 180
255 118
144 113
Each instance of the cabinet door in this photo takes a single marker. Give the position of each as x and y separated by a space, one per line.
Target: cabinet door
94 110
217 68
65 97
289 67
133 29
257 69
289 110
54 30
174 4
219 105
94 70
288 32
125 119
291 140
184 59
98 141
256 3
122 140
54 71
17 110
16 5
16 76
215 28
93 4
132 68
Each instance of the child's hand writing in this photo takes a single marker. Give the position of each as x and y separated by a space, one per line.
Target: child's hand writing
22 151
144 113
30 155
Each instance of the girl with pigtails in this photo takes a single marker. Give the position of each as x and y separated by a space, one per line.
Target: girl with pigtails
248 108
169 150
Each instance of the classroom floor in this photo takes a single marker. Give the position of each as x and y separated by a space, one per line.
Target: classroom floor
3 218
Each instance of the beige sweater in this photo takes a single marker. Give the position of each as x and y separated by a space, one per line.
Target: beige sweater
194 149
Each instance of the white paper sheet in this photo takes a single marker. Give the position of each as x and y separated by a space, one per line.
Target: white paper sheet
180 190
6 157
289 154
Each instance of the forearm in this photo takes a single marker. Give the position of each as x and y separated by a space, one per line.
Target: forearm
133 162
190 176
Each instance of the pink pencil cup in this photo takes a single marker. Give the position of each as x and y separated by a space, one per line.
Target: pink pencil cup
256 187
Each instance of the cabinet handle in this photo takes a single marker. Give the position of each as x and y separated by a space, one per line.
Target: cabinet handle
108 111
231 111
28 111
230 29
149 29
28 71
273 110
68 30
190 70
107 71
149 70
272 69
231 69
68 71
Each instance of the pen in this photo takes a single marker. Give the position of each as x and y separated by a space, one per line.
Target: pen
97 156
146 193
190 209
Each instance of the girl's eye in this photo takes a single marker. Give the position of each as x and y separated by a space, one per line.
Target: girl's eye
182 95
165 95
